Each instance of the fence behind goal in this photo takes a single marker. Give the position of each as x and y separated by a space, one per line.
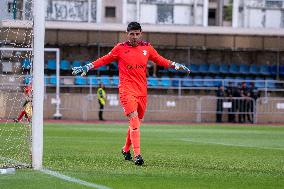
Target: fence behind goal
170 108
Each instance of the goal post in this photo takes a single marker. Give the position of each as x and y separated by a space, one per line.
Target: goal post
38 83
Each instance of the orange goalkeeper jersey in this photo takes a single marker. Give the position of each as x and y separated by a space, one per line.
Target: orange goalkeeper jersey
132 65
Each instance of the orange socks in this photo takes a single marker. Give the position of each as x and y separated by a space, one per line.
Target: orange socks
135 134
126 147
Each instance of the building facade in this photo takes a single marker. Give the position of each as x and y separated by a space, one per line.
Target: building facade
236 13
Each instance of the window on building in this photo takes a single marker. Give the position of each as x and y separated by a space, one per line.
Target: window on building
274 3
212 17
165 14
10 6
110 12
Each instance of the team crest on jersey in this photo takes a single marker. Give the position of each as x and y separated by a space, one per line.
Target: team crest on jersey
144 52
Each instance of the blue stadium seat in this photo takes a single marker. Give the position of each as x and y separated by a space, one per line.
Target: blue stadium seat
187 82
102 68
228 79
218 81
273 70
115 80
153 81
248 80
203 68
244 69
92 80
79 80
52 80
239 80
270 83
259 82
105 79
76 63
65 65
51 64
197 81
214 68
224 68
165 82
234 69
194 68
27 79
254 69
281 70
208 81
26 64
176 81
46 80
264 70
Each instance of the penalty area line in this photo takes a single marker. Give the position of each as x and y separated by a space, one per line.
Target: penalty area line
71 179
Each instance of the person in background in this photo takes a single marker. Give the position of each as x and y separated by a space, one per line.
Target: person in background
254 94
220 94
101 94
243 103
27 106
231 110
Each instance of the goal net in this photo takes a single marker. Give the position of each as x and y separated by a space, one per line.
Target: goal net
16 68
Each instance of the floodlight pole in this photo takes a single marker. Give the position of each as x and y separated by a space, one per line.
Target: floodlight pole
38 83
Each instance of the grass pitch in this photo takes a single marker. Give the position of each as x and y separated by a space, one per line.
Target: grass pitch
176 156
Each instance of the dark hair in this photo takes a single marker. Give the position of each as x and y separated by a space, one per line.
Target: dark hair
134 26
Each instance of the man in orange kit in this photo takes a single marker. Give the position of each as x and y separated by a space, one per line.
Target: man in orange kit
132 57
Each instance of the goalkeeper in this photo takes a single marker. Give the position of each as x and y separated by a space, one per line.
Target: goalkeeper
27 107
132 57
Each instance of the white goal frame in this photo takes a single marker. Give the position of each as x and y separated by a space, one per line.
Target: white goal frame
36 131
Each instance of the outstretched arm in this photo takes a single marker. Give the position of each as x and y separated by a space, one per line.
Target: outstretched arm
110 57
158 59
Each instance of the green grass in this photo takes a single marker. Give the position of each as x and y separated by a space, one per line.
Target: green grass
176 156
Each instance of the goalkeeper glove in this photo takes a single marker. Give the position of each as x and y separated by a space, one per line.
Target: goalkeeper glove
179 66
83 69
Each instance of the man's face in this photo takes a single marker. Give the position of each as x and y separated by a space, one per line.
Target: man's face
134 37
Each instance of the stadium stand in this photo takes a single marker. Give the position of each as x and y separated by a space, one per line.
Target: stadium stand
153 81
254 69
76 63
92 80
52 80
224 69
105 79
214 69
115 80
203 68
234 69
264 70
244 69
79 80
26 64
65 65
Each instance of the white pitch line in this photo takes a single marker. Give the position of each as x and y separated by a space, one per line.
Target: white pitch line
71 179
58 175
226 144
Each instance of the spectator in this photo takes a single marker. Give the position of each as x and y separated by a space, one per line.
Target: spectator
151 68
254 94
243 103
220 94
229 93
102 100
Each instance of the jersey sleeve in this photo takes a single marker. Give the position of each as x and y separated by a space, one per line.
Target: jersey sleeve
158 59
108 58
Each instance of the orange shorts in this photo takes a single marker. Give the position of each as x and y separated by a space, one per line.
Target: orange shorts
132 103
